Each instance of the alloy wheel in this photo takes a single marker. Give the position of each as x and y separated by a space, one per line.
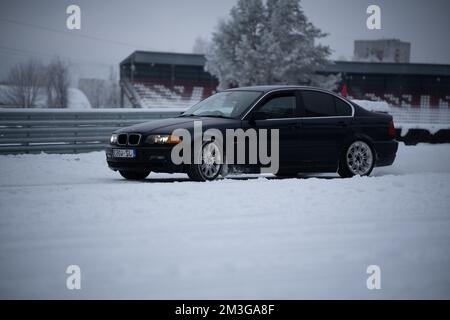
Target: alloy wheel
359 158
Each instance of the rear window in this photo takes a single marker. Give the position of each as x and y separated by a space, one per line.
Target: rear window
342 108
318 104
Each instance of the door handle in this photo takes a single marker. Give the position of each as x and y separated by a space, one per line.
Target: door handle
342 124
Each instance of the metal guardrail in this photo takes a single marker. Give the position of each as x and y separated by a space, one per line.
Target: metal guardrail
67 131
74 131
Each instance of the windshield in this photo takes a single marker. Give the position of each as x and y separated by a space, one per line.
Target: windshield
227 104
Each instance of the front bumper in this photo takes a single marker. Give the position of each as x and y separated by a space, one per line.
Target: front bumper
147 158
386 152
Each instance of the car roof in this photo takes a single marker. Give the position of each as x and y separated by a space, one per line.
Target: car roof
272 88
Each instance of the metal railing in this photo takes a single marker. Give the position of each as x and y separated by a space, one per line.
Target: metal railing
67 131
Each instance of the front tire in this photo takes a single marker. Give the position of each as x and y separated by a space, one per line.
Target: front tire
210 166
134 175
286 174
357 158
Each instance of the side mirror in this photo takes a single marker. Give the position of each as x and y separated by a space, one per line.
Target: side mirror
252 117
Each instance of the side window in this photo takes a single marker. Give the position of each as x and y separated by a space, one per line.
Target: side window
318 104
342 108
277 107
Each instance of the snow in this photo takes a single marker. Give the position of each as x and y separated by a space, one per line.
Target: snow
255 237
78 100
378 106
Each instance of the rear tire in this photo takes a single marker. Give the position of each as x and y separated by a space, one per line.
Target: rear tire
134 175
357 158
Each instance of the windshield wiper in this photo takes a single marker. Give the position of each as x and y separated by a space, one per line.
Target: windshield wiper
186 115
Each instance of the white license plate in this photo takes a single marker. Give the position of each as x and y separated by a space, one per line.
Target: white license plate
124 153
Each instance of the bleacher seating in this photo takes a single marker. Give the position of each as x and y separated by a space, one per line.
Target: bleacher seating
163 95
185 94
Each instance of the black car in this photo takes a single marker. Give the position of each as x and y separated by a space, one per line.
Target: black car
319 131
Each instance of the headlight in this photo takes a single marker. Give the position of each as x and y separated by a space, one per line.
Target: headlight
162 139
113 138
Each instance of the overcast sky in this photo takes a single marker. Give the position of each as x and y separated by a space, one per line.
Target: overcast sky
112 29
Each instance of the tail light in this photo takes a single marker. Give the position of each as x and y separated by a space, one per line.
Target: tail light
391 130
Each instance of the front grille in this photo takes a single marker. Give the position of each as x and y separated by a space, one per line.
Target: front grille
133 139
122 139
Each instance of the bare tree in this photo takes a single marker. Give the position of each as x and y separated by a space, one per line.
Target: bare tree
57 82
24 83
113 89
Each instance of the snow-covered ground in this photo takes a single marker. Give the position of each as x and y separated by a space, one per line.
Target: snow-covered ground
237 238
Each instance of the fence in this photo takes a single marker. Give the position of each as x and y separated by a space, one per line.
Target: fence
67 131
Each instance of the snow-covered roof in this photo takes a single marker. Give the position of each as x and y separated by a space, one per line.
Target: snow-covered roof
190 59
388 68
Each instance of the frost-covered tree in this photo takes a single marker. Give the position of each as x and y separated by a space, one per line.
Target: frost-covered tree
272 43
236 45
200 45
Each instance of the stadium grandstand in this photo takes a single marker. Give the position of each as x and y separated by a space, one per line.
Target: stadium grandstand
161 79
399 84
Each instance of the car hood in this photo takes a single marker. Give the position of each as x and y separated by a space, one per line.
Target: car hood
167 126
